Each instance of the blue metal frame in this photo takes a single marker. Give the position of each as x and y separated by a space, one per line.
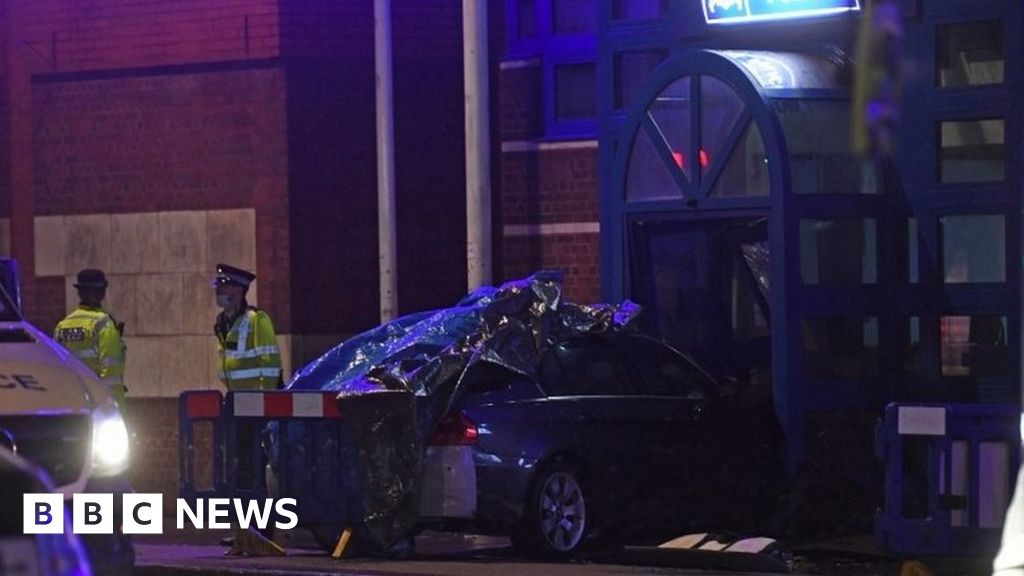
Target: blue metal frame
910 190
616 212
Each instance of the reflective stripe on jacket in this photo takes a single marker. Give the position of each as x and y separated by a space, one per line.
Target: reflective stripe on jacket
93 337
248 357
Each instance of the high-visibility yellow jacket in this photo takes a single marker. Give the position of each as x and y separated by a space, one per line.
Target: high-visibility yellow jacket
94 337
248 356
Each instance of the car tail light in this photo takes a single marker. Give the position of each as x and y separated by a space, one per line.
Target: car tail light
454 430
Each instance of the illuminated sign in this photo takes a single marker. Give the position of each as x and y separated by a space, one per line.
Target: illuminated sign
741 11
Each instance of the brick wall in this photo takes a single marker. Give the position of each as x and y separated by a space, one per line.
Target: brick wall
546 186
5 158
46 302
206 139
106 34
541 190
153 423
196 141
576 255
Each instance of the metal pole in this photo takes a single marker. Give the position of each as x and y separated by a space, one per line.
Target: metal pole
386 235
478 144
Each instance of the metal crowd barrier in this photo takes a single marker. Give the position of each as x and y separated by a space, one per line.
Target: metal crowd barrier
301 435
949 476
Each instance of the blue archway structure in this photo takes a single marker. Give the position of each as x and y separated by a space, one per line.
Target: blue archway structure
705 206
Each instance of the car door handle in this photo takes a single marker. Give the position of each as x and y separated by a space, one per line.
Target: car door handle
697 413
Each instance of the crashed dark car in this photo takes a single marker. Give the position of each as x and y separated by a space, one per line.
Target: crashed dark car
516 412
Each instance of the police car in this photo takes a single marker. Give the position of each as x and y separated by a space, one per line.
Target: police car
55 413
39 554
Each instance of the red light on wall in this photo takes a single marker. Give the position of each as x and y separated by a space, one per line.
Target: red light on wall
679 158
705 160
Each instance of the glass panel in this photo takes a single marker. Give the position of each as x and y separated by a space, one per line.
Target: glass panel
974 248
574 17
704 297
647 177
661 372
780 70
911 363
969 54
972 151
639 9
840 348
671 112
746 174
838 252
575 91
631 72
974 346
818 138
719 111
913 266
527 18
584 367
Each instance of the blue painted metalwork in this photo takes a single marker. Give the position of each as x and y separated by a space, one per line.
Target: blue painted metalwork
909 194
925 511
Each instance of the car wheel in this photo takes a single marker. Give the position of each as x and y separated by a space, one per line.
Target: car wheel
555 520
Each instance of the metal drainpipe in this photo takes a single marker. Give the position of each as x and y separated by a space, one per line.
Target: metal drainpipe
386 209
478 144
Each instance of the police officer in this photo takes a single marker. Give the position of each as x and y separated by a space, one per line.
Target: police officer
93 335
247 352
248 357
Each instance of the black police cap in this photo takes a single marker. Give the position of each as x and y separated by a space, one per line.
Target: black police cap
232 275
91 278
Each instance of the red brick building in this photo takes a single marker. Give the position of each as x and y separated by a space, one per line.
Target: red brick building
154 138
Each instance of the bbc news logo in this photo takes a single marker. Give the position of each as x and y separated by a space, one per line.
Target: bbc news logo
143 513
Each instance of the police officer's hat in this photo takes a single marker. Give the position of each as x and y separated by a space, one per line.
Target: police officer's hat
91 278
231 275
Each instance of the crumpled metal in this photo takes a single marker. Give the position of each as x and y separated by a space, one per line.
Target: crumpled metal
425 356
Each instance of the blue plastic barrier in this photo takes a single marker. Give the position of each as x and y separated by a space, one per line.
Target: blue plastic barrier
949 475
300 434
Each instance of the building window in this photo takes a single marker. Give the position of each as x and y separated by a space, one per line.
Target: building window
972 151
913 268
573 17
969 54
911 349
974 248
838 252
576 91
818 140
648 177
632 69
746 171
974 346
840 348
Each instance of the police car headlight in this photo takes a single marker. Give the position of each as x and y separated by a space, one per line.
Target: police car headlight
109 443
